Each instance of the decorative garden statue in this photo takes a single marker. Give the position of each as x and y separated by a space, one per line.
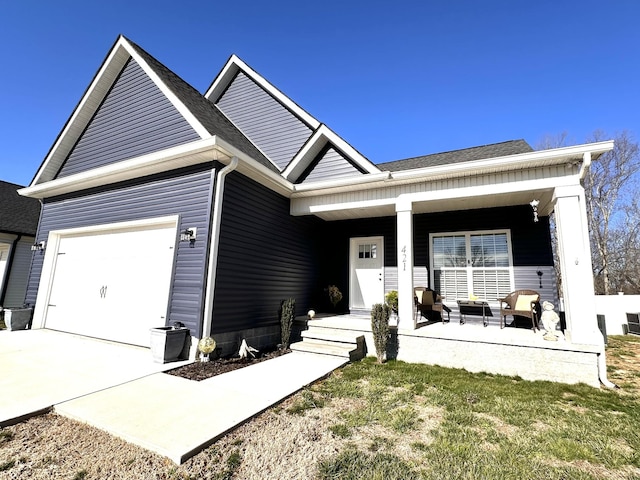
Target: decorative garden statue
549 321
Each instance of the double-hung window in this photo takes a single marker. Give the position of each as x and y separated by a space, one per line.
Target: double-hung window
478 263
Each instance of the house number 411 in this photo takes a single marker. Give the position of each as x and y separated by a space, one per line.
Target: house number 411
404 258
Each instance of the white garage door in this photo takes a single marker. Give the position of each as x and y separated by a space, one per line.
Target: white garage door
112 285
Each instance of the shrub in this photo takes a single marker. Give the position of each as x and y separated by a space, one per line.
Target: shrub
380 328
391 299
286 321
335 295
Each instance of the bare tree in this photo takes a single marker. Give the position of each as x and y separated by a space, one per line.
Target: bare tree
610 186
624 274
550 141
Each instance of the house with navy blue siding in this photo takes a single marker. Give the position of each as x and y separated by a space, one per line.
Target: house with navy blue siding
161 204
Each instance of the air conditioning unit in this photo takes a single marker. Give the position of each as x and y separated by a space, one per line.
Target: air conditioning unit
633 320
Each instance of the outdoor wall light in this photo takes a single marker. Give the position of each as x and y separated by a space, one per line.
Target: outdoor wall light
39 246
539 272
534 205
189 235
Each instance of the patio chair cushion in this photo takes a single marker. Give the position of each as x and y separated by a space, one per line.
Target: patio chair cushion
523 303
418 294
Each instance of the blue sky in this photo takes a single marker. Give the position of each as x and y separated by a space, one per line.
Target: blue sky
394 79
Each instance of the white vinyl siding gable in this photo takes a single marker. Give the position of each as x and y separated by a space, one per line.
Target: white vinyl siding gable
274 129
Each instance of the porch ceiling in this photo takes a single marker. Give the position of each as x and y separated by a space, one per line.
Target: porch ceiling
447 205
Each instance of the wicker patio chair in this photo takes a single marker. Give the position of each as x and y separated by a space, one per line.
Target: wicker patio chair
520 303
428 301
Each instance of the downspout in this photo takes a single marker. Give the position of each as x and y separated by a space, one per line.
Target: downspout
602 370
214 244
7 270
586 163
602 358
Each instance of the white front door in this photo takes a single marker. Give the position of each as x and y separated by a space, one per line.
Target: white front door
367 272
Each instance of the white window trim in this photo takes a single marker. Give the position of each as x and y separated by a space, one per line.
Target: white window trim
467 234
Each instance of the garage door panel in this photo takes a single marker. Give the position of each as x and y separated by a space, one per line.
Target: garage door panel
113 285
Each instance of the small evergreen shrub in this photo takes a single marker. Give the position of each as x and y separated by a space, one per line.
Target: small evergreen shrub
380 328
391 299
286 321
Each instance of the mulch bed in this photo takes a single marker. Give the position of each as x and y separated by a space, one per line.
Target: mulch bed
203 370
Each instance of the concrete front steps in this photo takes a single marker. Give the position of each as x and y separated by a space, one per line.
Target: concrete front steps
329 341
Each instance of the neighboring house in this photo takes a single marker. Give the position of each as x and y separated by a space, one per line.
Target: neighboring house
18 225
161 204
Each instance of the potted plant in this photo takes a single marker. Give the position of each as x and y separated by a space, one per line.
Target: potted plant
17 318
167 343
335 295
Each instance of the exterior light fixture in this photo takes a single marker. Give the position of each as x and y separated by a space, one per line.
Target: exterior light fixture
39 246
539 272
189 235
534 205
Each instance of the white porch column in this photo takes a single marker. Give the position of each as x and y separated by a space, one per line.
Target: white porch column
575 265
404 236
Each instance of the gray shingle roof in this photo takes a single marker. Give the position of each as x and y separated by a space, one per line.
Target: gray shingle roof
206 112
18 214
502 149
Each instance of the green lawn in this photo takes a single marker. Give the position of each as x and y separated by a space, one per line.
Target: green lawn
404 421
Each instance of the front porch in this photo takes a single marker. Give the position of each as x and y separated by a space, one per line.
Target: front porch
510 351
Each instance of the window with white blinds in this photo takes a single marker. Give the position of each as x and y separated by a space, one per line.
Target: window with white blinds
476 263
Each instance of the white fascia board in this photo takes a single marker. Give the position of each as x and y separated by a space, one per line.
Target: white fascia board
463 169
228 72
446 194
305 156
351 152
511 162
361 182
255 170
188 154
222 80
312 147
181 107
84 111
200 151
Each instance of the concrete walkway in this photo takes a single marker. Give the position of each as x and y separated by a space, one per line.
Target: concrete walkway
177 418
117 388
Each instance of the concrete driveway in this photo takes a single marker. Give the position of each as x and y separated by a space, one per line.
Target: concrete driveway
119 389
42 368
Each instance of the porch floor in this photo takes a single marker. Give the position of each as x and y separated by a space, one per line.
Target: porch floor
509 351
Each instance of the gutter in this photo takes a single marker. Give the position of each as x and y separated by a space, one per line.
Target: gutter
345 182
214 245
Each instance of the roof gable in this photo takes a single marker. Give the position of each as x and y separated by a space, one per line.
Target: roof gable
101 85
18 215
135 118
329 164
274 129
279 127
